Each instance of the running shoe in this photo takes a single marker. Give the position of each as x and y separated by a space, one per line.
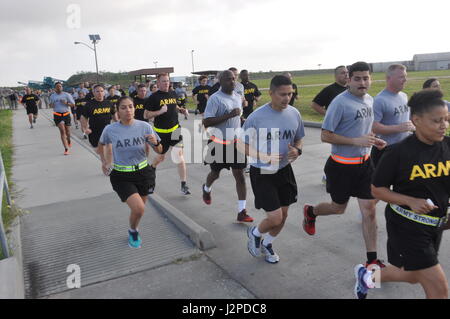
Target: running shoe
309 223
363 281
134 240
84 136
247 170
70 144
270 256
34 120
151 190
377 262
243 217
254 243
206 196
76 126
185 190
31 126
66 152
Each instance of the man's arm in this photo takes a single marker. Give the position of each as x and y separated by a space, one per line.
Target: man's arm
382 129
363 141
248 150
319 109
213 121
151 114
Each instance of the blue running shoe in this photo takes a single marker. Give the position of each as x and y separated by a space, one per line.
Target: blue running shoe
134 240
363 281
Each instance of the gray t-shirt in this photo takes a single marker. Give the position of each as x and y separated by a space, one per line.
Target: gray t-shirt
391 109
218 105
349 116
271 131
58 99
239 89
128 141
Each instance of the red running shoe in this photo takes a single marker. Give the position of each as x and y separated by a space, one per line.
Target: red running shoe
66 152
243 217
206 196
309 223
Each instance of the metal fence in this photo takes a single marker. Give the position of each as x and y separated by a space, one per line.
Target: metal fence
3 188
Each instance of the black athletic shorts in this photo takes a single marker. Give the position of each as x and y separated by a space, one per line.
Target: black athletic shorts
126 184
376 155
221 156
348 180
78 112
32 109
59 118
201 107
411 245
273 191
246 111
94 137
171 139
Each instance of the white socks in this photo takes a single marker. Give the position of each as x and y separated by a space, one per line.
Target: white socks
241 205
207 189
256 232
268 239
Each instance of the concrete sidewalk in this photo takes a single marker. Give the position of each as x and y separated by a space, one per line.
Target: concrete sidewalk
76 219
310 267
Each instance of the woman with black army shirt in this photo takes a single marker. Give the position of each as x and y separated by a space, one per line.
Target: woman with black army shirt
418 169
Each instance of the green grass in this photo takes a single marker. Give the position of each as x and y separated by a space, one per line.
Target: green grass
6 149
307 93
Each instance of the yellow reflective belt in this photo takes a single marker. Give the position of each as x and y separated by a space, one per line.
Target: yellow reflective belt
132 168
169 130
419 218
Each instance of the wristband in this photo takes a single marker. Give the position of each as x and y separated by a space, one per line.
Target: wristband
299 150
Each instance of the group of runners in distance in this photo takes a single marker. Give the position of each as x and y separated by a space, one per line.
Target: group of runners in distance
386 148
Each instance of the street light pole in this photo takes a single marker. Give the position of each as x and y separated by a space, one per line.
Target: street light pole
94 38
192 56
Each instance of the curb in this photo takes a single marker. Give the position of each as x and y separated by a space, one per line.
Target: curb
11 269
202 238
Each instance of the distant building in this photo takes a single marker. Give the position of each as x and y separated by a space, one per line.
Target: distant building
420 62
432 61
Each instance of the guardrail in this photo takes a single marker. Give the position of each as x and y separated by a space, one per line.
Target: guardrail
3 188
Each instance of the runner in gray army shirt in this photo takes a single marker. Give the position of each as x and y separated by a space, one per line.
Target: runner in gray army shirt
222 119
272 138
391 111
126 162
61 102
348 128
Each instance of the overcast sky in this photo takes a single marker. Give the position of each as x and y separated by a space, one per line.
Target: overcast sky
259 35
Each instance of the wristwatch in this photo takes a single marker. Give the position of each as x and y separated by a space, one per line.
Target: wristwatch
299 150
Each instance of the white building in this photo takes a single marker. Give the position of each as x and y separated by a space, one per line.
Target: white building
432 61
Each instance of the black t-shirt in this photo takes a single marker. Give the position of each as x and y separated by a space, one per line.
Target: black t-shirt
98 113
113 100
139 105
30 100
418 170
214 88
251 92
89 95
133 94
79 103
156 101
294 95
328 93
201 91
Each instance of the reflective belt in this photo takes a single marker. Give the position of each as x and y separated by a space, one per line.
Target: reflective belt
169 130
61 114
223 142
132 168
421 219
350 160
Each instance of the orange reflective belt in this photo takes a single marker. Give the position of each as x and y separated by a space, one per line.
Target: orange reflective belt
61 114
349 160
224 142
